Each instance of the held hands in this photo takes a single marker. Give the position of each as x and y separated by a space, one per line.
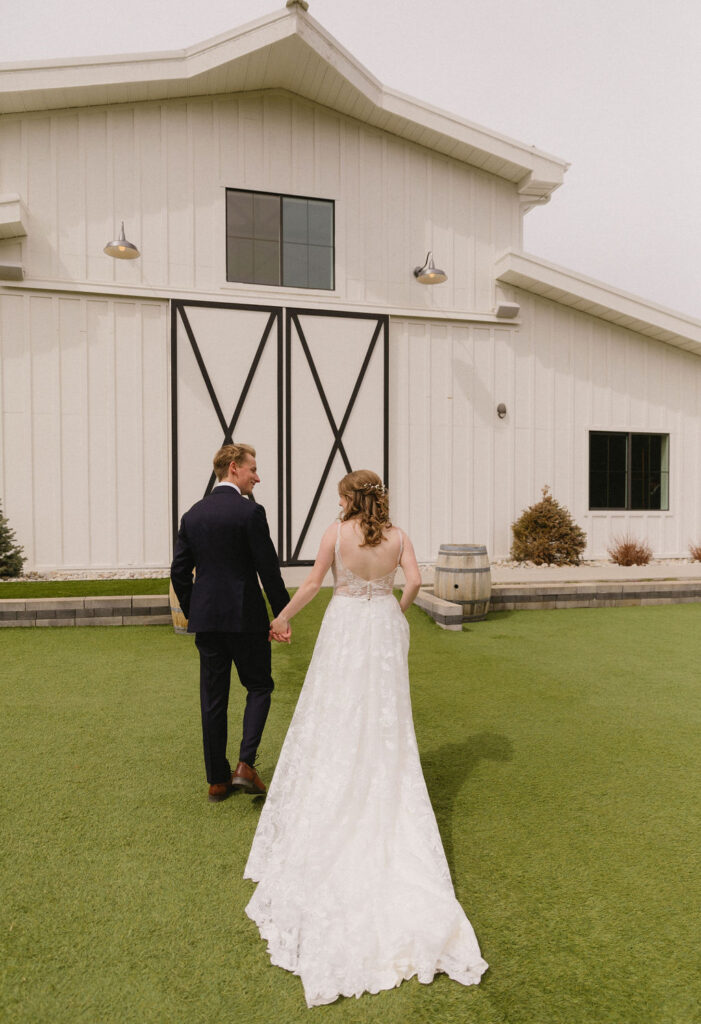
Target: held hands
280 630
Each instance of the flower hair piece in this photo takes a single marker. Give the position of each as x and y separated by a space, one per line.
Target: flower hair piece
377 488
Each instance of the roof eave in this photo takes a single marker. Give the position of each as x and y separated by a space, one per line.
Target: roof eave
568 288
58 84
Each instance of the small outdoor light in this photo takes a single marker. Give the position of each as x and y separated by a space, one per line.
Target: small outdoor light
508 310
429 274
501 410
120 249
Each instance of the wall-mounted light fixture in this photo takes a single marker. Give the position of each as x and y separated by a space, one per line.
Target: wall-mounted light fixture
508 310
11 272
501 410
120 249
429 274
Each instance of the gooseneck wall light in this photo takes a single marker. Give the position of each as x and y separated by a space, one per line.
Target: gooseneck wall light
429 273
120 249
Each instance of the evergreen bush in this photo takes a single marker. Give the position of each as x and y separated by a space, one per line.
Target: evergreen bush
11 557
547 533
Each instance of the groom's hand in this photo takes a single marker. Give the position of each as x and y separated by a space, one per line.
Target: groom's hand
281 636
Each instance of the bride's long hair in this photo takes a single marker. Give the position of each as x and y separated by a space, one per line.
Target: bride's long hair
368 503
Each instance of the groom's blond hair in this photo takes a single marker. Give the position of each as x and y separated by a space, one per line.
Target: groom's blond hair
231 453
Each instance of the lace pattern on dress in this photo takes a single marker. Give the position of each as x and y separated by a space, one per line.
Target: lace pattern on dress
354 891
348 584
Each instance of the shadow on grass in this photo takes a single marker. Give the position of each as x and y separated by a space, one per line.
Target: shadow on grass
448 768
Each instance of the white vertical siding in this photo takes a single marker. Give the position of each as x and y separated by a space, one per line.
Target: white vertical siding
84 423
460 474
163 168
84 439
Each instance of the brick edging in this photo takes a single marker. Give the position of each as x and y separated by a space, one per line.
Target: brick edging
510 597
545 596
133 610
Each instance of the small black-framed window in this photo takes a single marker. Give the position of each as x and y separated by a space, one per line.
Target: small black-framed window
279 240
628 471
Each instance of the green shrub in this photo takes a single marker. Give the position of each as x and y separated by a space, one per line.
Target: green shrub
546 533
11 557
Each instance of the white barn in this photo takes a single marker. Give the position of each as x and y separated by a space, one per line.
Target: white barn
281 198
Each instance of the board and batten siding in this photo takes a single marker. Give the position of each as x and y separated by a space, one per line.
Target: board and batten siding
394 199
462 475
84 430
452 459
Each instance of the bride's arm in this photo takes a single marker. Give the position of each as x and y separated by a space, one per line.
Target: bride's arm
312 584
412 575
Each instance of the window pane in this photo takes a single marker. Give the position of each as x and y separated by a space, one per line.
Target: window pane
239 260
598 490
239 213
646 462
607 470
664 490
320 266
320 216
664 472
266 217
294 220
266 262
295 270
616 496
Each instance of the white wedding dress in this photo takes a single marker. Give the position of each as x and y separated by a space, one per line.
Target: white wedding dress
354 892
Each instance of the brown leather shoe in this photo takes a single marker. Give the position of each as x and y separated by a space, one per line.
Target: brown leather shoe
219 791
247 780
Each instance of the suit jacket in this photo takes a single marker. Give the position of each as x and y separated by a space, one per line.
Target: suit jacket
225 537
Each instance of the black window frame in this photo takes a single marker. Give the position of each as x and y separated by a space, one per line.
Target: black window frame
281 197
634 480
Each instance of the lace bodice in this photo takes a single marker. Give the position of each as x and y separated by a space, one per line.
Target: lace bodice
347 584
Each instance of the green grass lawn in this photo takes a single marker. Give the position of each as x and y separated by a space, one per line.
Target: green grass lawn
25 589
562 756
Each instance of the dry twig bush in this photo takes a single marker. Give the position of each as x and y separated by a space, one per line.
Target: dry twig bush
629 550
695 552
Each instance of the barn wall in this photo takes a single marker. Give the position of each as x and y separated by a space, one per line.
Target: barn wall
163 167
460 474
84 430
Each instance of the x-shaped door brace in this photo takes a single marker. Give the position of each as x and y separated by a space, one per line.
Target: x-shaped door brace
227 428
337 446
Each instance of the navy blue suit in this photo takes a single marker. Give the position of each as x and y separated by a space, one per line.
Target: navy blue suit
225 537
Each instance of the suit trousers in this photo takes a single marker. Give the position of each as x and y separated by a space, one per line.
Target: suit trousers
250 653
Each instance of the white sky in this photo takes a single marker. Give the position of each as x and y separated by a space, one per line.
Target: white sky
612 86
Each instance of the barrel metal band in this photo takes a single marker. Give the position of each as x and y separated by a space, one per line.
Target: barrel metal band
464 548
448 568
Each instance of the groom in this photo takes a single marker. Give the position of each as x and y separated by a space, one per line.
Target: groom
225 538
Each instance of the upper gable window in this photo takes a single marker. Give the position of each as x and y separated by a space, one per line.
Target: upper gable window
279 240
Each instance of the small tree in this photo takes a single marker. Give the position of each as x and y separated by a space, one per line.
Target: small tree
546 533
11 557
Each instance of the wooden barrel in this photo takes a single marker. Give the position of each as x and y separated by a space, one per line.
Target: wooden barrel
463 576
179 620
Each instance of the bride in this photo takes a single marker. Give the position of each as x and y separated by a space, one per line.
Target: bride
354 892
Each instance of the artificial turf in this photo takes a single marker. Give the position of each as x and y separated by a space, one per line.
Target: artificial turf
25 589
561 753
